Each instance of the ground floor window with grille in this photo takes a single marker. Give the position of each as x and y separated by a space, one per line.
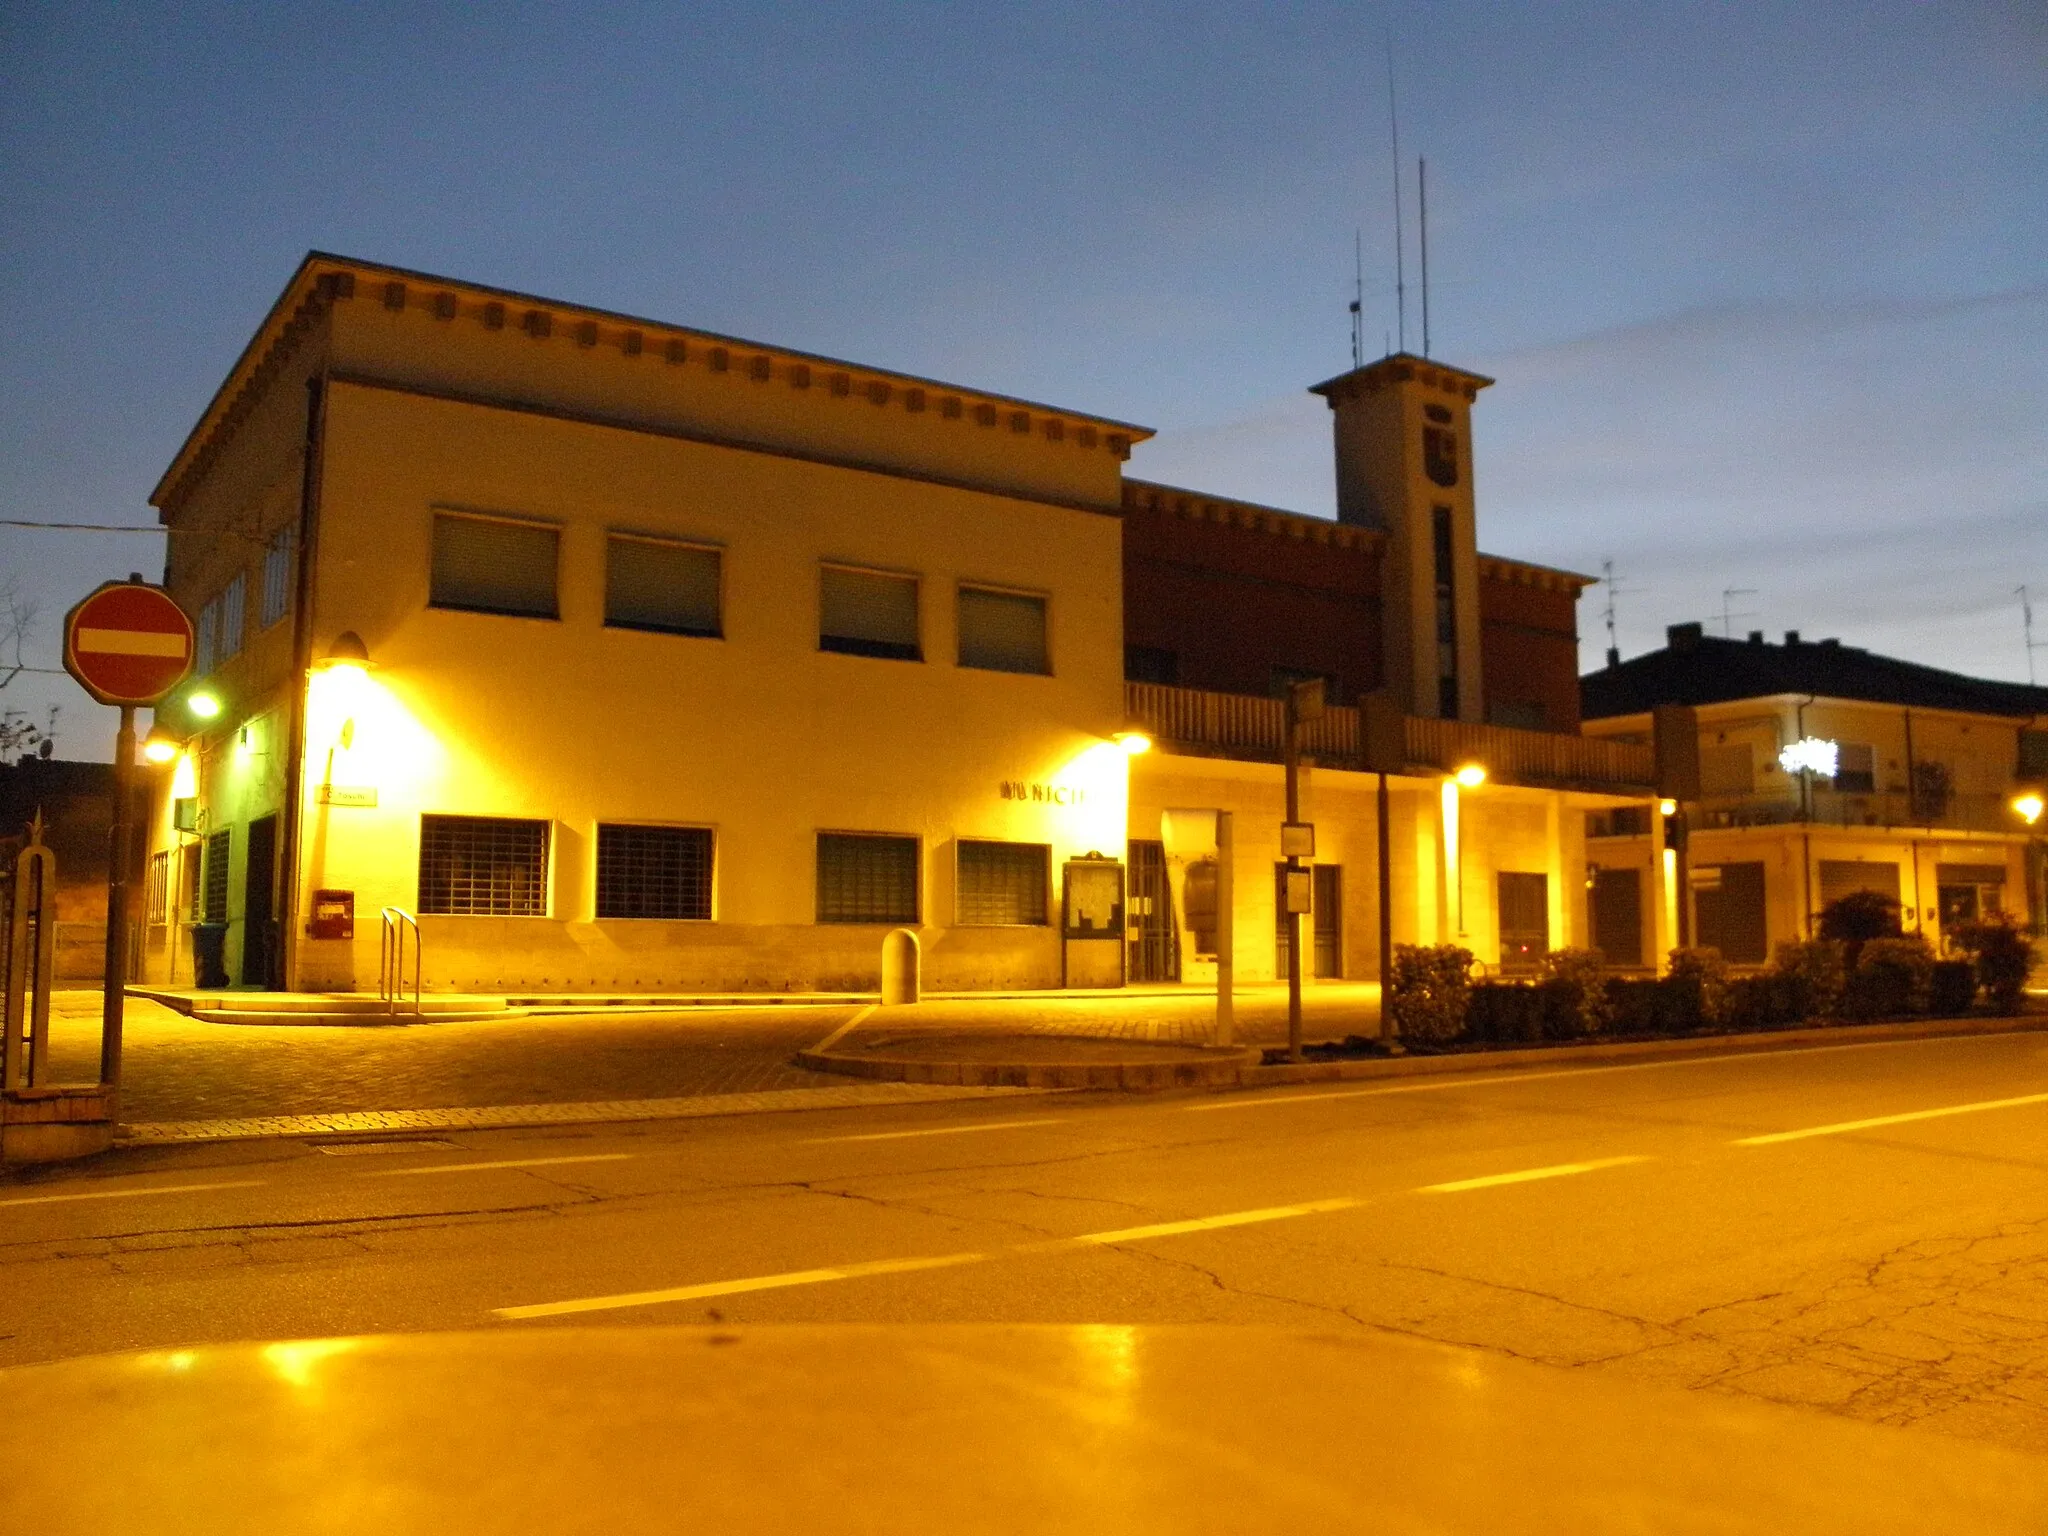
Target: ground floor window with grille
866 877
658 872
214 897
1003 884
483 866
159 898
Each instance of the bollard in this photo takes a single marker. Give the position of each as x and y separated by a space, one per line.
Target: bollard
900 967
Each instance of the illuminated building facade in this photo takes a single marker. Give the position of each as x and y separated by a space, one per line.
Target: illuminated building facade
627 658
1823 770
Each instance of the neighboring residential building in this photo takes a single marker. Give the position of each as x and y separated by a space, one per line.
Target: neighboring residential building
1917 784
698 664
76 804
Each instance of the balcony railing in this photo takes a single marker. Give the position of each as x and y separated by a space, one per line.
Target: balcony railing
1195 722
1958 813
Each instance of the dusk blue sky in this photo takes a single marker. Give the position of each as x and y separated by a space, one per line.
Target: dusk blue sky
1765 286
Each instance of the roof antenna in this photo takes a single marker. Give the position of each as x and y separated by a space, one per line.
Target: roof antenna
1400 240
1728 618
2033 645
1357 298
1422 214
1614 589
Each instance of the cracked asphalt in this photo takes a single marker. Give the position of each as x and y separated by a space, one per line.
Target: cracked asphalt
1889 1265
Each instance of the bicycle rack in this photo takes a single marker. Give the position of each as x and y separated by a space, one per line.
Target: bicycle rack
391 959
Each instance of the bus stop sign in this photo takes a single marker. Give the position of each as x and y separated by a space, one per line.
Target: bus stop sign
128 643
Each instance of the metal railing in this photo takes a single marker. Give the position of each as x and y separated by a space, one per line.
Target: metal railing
1887 809
391 959
1197 721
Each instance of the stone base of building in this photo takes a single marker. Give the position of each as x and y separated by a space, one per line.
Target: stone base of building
50 1125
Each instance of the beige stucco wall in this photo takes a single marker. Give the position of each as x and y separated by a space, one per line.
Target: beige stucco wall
758 735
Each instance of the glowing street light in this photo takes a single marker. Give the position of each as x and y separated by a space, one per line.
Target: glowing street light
1134 740
1810 754
204 704
2029 806
160 746
1471 775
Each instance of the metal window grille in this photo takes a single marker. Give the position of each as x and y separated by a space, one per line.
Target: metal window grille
868 613
159 888
660 872
659 585
1003 884
1002 631
277 575
233 603
866 878
214 899
483 866
489 565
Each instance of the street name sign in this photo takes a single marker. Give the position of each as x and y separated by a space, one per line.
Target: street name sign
128 643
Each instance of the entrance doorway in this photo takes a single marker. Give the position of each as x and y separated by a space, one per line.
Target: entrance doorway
259 906
1326 922
1618 916
1524 921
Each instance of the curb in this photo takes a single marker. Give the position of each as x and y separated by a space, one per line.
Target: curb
1212 1069
1226 1069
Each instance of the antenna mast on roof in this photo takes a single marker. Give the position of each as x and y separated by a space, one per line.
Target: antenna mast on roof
1614 589
1400 238
1357 298
1422 218
1728 594
2027 623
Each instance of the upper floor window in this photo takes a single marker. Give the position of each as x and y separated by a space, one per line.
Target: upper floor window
277 575
868 613
495 565
2033 756
1856 769
1003 631
1151 664
218 633
662 585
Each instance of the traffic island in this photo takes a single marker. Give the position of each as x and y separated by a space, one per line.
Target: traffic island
997 1061
52 1124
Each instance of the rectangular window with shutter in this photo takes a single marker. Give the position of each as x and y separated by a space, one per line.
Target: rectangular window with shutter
866 877
495 565
654 872
661 585
277 575
1003 884
214 899
227 641
1003 631
203 632
483 866
868 613
1855 769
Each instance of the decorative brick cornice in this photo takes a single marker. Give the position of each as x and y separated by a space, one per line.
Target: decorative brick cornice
1200 507
1401 368
1520 573
323 280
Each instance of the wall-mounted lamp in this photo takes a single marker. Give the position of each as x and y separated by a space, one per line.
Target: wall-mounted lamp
347 651
1470 775
2029 805
1667 807
1134 739
203 703
159 746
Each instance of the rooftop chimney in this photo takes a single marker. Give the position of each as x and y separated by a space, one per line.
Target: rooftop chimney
1756 637
1683 637
1791 637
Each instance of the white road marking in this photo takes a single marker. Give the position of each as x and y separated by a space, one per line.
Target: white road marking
1842 1127
940 1130
126 1194
1527 1175
736 1287
1208 1223
509 1162
845 1029
1278 1094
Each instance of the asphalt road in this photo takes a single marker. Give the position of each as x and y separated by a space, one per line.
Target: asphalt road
1861 1229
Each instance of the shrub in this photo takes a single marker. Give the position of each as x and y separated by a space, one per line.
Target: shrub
1432 987
2001 956
1762 1001
1506 1012
1578 992
1813 975
1952 988
1695 990
1857 918
1892 977
1634 1005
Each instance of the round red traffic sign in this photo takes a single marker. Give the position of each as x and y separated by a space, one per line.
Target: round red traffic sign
128 643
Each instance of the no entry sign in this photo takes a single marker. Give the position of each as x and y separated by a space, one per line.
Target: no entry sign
128 643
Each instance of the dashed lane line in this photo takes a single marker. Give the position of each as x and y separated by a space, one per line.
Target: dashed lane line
937 1130
1843 1127
505 1162
736 1287
129 1194
1527 1175
1117 1237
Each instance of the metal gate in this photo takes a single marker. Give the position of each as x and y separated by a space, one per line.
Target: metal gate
1148 916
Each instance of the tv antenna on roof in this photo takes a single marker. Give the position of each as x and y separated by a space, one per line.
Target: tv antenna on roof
1400 238
1614 589
2027 624
1357 298
1422 218
1728 618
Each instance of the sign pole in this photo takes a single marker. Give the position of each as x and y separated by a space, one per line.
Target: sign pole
116 986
